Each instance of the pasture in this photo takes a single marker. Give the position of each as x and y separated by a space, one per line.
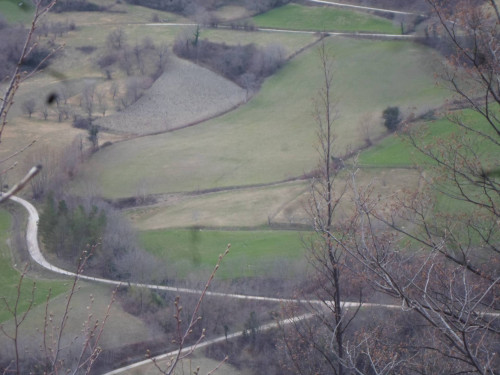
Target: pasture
273 136
279 206
324 18
240 208
121 328
256 253
396 150
16 11
10 276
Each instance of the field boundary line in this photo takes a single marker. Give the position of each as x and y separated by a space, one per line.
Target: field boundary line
382 10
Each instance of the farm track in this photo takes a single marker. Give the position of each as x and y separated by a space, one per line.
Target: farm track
37 256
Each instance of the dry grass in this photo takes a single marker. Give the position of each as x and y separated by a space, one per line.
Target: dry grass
238 208
231 12
121 328
189 365
122 14
290 42
49 135
283 204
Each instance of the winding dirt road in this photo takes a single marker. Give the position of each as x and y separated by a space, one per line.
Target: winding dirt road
37 256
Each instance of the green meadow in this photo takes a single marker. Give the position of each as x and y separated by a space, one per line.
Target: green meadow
256 253
396 149
16 11
324 18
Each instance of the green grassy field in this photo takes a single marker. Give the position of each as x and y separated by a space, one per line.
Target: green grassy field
326 18
396 150
252 254
121 328
273 137
16 11
9 277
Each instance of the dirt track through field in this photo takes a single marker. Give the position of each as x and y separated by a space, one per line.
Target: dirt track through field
37 256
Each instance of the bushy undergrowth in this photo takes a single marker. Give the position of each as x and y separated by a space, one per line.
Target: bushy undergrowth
70 225
192 7
77 6
247 65
11 45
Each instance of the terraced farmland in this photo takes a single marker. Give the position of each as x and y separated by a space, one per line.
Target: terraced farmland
276 123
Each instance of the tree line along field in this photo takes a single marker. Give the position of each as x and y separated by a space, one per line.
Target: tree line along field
259 155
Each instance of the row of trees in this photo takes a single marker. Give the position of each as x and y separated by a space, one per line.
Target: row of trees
145 58
247 65
198 7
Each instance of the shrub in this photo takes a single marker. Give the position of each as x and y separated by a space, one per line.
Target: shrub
77 6
392 119
236 63
82 123
86 49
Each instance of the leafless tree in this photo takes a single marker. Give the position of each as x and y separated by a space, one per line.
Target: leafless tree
29 107
114 90
184 331
439 263
162 54
126 61
324 336
45 111
101 101
116 39
88 99
53 341
365 126
16 78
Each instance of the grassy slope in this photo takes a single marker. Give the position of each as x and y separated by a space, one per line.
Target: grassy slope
253 253
121 328
283 204
299 17
9 277
395 150
273 136
12 12
223 209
